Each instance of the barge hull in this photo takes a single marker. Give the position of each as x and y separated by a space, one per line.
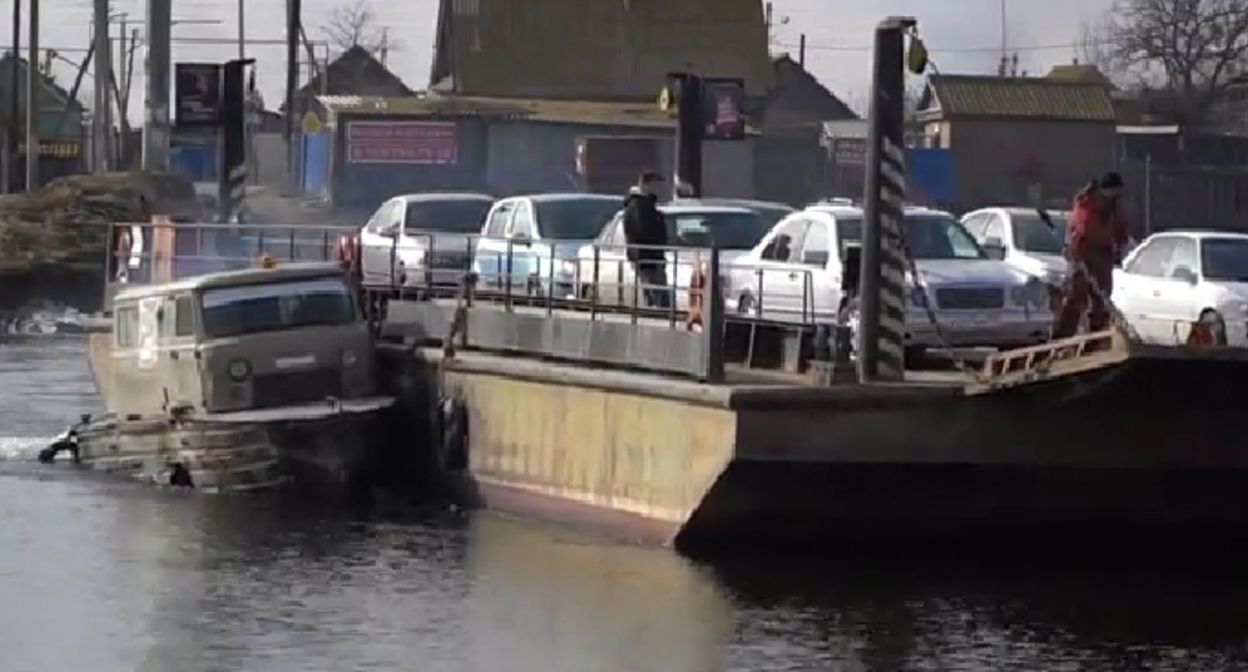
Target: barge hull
679 462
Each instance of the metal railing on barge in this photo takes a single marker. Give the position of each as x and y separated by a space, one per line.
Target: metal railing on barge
596 289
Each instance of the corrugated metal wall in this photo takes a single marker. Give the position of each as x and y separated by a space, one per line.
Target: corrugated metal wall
366 185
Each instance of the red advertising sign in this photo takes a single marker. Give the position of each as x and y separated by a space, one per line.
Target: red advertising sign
418 142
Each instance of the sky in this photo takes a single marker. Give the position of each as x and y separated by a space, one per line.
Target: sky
963 35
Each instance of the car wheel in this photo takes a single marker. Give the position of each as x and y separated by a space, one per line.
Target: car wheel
1216 326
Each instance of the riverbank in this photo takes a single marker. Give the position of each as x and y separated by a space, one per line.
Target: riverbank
52 242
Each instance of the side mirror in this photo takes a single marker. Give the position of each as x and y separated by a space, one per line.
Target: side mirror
1184 274
994 248
815 257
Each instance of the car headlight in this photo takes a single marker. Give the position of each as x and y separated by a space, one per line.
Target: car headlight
1033 294
239 370
918 297
349 358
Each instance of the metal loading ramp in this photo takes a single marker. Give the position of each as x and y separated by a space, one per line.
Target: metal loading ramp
1111 365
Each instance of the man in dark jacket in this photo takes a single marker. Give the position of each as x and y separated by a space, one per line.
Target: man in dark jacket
644 226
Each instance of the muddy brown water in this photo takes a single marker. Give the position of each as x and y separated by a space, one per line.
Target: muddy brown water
116 577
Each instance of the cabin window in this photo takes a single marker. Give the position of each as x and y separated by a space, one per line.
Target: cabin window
184 316
126 326
276 306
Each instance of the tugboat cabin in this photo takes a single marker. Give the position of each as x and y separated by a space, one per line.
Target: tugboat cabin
258 338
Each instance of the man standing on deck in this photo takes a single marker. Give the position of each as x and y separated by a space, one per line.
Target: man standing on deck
644 225
1096 240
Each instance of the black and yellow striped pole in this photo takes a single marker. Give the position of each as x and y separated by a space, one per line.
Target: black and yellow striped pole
882 323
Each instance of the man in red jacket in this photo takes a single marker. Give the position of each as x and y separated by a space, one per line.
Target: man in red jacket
1096 240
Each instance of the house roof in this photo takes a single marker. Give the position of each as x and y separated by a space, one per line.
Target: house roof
790 73
596 49
357 72
52 95
1080 72
1015 98
555 111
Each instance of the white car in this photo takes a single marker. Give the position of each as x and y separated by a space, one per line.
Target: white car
794 274
1023 238
421 239
1175 278
534 240
691 228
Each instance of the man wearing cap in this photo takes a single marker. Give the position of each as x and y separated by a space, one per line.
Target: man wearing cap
1096 240
644 226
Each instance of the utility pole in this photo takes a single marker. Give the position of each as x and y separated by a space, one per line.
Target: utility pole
294 10
101 129
156 113
242 32
15 82
34 82
158 65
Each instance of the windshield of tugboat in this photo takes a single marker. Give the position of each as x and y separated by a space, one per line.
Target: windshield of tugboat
276 306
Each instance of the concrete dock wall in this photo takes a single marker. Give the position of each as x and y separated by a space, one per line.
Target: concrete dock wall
590 449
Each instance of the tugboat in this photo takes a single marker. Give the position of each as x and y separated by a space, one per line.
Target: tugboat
236 380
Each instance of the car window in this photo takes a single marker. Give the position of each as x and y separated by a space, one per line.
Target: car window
975 225
184 316
613 232
522 221
1224 259
1150 260
384 222
1033 234
574 218
499 218
784 245
994 227
728 230
928 236
1182 255
816 239
460 215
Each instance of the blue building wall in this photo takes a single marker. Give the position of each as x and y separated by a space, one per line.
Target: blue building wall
314 163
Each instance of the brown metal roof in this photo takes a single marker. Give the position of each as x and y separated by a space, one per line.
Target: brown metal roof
1017 98
604 49
556 111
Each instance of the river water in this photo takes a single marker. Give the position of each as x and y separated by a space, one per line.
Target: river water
113 577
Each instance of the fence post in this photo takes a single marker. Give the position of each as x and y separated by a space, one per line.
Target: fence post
881 334
713 320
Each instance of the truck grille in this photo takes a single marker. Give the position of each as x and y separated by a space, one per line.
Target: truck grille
295 387
970 298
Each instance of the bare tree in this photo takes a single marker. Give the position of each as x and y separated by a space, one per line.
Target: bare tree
353 25
1192 50
1095 47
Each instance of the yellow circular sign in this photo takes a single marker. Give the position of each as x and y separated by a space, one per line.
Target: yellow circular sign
665 99
311 123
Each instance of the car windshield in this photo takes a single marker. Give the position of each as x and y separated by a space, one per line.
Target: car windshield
454 215
575 218
929 236
728 230
277 306
1224 259
1033 234
770 214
